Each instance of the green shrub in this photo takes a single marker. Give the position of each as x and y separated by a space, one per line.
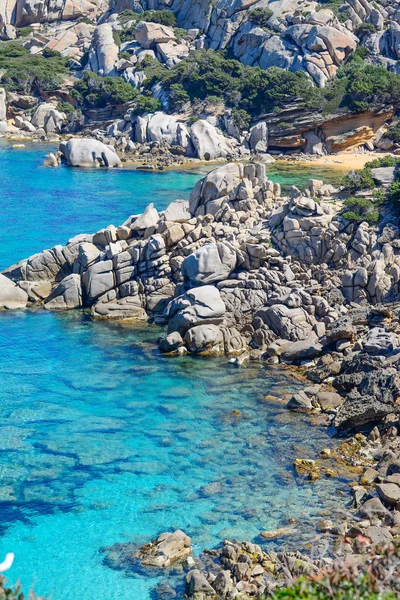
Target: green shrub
65 107
358 180
213 100
23 32
48 53
192 120
163 17
340 587
86 20
116 37
125 55
383 161
26 73
367 86
179 96
96 92
241 118
146 104
180 33
394 192
361 209
260 17
208 73
394 134
364 29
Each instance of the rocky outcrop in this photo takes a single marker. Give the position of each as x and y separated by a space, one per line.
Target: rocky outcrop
167 549
48 118
150 34
103 55
81 152
11 295
21 13
208 142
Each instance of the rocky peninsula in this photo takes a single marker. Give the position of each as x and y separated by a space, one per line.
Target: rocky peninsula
245 271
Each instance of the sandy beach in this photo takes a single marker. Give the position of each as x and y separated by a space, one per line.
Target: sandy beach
342 160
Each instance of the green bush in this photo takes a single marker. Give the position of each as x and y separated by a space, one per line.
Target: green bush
96 92
179 96
260 17
26 73
367 86
23 32
65 107
146 104
241 118
208 73
86 20
394 134
358 180
180 33
361 209
394 192
364 29
48 53
116 37
340 587
383 161
163 17
14 592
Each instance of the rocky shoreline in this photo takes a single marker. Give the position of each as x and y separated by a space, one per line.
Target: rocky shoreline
243 271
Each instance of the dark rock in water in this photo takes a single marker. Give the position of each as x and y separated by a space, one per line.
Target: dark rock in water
168 549
300 402
164 591
211 489
197 584
120 556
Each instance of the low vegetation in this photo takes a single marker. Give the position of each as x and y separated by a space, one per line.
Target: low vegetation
94 91
362 180
358 86
361 209
377 580
26 74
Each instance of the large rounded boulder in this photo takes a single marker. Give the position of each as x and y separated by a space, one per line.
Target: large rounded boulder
85 152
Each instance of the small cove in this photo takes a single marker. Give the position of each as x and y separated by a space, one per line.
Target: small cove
102 439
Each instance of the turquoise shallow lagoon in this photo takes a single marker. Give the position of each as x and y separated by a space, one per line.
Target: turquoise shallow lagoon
103 440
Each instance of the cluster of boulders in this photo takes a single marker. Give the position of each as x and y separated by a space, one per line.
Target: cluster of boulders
241 270
22 13
298 37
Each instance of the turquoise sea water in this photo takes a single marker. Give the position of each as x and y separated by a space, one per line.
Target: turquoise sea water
102 440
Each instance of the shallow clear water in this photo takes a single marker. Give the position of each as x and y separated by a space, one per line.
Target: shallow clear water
103 440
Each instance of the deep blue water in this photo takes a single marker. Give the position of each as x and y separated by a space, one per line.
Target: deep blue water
103 440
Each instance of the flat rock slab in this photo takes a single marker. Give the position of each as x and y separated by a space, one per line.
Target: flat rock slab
168 548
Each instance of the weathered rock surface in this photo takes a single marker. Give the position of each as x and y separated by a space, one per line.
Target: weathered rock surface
80 152
11 296
167 549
